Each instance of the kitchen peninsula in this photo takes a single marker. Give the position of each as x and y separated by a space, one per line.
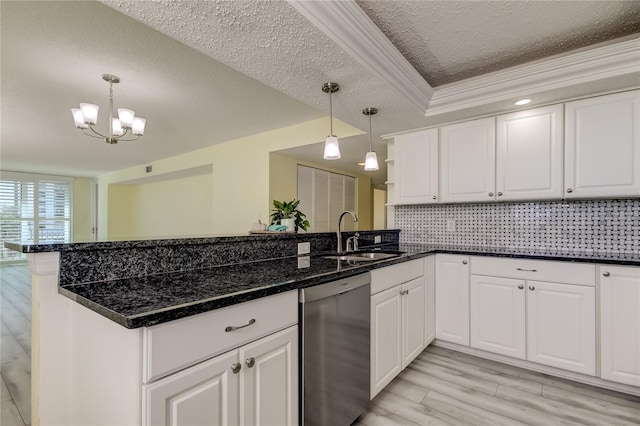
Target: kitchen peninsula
102 365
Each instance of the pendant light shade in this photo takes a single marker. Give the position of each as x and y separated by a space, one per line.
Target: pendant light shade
331 144
371 159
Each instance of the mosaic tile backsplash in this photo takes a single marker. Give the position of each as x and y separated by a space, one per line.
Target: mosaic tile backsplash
592 225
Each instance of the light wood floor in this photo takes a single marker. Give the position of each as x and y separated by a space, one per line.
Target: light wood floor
15 345
443 387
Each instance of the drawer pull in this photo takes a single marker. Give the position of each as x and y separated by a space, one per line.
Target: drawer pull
527 270
520 286
464 262
531 288
231 328
606 274
235 367
250 362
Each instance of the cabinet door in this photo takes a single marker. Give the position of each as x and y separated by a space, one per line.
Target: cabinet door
620 324
269 378
529 154
467 161
386 335
417 167
602 146
452 296
498 315
206 394
413 323
430 299
561 326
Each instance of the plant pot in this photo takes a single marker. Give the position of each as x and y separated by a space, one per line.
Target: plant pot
290 223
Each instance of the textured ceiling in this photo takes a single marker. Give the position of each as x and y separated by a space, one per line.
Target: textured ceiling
447 41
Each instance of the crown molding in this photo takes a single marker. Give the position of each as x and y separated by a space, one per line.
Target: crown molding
344 22
584 66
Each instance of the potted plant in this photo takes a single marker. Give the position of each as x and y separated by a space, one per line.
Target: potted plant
287 213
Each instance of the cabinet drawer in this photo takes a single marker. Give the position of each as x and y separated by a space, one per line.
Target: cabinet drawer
539 270
178 344
391 276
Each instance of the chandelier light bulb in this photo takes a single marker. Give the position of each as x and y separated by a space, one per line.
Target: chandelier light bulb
126 117
78 118
138 126
117 128
90 113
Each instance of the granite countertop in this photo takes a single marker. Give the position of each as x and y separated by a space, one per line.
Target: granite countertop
153 299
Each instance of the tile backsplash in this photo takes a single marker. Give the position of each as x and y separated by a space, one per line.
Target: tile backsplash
591 225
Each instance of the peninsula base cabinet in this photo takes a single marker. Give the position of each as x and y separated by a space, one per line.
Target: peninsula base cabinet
620 324
452 298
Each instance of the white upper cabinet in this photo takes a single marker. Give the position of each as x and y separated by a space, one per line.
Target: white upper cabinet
529 154
416 166
467 162
602 146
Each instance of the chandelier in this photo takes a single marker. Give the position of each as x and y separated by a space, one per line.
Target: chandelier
86 117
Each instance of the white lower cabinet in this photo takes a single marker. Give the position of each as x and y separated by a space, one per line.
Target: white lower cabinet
620 324
398 320
430 299
255 384
452 298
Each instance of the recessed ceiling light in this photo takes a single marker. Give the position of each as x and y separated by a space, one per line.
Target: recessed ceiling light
522 102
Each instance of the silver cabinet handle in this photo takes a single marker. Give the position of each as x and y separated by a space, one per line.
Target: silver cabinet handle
402 293
499 194
569 190
231 327
606 274
235 367
491 194
464 262
435 198
531 288
520 286
250 362
527 270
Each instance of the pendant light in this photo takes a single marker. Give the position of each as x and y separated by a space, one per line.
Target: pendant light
371 159
331 144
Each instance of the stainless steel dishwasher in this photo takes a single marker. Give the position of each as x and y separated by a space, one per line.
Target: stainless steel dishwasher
335 339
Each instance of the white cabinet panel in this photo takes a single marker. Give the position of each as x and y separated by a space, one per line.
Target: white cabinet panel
620 324
561 326
452 298
467 161
386 338
416 167
498 315
529 154
430 299
413 322
602 146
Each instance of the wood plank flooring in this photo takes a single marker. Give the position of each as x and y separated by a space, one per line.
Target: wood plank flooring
444 387
15 345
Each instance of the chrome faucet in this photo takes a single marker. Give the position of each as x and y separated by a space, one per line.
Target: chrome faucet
339 234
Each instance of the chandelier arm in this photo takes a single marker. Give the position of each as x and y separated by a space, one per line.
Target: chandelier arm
100 136
129 140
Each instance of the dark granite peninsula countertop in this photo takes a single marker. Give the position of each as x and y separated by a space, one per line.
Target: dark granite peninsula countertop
185 282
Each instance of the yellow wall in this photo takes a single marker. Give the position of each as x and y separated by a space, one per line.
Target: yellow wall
379 209
120 212
240 178
283 185
83 207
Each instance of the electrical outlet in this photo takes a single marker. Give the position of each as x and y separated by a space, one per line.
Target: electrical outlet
377 239
304 248
451 225
304 262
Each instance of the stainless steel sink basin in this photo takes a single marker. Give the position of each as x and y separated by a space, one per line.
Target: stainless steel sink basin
364 255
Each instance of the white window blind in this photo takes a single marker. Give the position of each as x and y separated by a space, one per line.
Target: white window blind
323 196
33 209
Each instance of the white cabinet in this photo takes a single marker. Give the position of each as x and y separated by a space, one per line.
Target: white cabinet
467 161
602 146
255 384
515 313
498 315
397 320
529 154
416 167
452 298
620 324
430 299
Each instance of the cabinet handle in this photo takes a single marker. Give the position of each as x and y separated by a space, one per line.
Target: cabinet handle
531 288
402 293
499 194
520 286
435 198
464 262
491 194
250 362
235 367
527 270
606 274
231 327
569 190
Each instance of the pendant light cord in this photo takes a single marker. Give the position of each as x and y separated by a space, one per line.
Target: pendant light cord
370 137
330 113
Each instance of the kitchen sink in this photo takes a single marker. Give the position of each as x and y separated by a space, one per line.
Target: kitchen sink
364 255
